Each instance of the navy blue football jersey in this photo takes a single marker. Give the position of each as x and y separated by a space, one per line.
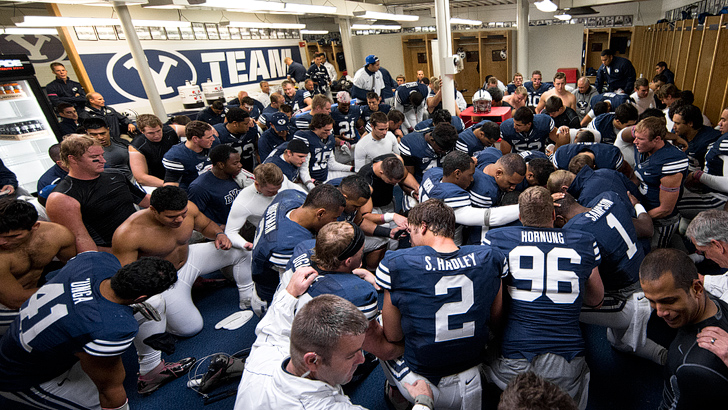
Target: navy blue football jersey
615 99
402 95
417 152
318 165
589 184
366 113
529 155
537 138
244 144
65 316
268 142
534 95
433 187
548 271
604 123
426 125
484 193
275 239
345 124
445 301
668 160
302 121
182 165
468 142
291 171
698 147
345 285
610 221
297 101
713 160
214 196
486 157
605 155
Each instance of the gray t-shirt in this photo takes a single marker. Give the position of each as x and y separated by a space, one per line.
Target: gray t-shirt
117 157
583 101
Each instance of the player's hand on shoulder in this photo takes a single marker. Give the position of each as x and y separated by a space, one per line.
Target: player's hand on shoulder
367 276
715 340
302 278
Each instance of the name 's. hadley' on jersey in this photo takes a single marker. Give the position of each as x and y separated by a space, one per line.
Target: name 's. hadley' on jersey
450 264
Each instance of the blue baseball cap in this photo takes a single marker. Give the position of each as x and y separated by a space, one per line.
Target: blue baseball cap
279 121
371 59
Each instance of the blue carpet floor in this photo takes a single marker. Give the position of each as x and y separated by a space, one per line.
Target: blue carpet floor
617 380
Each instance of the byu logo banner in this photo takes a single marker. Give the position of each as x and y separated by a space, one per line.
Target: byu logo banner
115 75
39 48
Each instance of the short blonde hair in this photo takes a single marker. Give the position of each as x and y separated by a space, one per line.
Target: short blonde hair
76 145
268 174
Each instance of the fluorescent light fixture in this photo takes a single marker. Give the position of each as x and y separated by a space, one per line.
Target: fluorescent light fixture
546 6
161 23
374 27
309 8
60 1
314 32
50 21
248 24
293 26
563 16
252 5
375 15
169 4
456 20
29 31
261 24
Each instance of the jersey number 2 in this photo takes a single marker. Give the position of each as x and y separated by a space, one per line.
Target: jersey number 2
443 333
39 300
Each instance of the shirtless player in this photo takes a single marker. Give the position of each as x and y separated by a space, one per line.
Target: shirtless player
26 247
164 230
559 90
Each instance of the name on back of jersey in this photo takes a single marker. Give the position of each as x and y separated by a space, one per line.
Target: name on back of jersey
81 291
599 209
539 236
271 217
440 264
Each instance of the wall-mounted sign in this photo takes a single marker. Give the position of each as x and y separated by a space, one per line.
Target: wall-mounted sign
118 81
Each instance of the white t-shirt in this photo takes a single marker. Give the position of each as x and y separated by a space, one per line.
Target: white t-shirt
368 148
643 104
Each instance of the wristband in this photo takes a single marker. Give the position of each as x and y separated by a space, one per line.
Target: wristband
425 400
382 231
697 175
669 188
220 233
388 217
124 406
639 209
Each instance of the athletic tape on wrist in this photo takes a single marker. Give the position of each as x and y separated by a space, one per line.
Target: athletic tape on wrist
425 401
